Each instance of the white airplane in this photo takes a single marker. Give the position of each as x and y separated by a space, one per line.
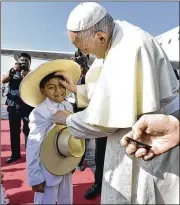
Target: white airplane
168 40
170 44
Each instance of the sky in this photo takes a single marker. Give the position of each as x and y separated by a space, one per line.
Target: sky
42 25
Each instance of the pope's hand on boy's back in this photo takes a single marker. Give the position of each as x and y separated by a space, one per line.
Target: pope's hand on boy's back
39 187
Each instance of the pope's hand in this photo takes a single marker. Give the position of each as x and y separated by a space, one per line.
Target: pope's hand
157 130
60 117
67 81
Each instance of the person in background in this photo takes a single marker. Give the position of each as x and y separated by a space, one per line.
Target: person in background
17 109
82 60
100 142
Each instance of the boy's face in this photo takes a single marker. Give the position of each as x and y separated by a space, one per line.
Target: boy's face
54 90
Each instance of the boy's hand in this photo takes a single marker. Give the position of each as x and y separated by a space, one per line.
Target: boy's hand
2 175
39 187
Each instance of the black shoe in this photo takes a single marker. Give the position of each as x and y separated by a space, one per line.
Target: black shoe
80 167
12 159
92 192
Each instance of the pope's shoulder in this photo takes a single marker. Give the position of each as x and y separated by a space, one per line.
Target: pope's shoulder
137 34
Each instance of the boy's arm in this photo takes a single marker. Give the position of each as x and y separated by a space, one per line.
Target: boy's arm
38 127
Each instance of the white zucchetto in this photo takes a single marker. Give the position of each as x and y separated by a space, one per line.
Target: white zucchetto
85 15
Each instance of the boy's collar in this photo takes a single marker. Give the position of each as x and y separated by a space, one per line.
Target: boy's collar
51 104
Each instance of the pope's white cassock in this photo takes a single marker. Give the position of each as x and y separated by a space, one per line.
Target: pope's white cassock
135 78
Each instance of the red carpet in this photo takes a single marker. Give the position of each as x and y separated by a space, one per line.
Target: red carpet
15 181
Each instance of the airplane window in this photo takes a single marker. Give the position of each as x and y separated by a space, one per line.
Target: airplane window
169 41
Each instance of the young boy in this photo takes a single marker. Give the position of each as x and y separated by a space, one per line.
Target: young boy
48 188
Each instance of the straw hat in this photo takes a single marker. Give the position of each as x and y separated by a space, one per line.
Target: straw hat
60 152
29 88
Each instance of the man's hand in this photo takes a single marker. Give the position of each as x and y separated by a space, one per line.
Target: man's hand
7 77
60 117
68 82
39 187
16 67
157 130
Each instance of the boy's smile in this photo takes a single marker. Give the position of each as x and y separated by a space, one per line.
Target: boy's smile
54 90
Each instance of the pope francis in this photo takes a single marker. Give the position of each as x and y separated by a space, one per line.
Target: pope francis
131 76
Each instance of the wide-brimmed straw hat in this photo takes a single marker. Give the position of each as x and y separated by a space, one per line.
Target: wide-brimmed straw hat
60 152
29 88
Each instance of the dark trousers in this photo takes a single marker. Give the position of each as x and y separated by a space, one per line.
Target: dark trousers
75 109
83 157
99 159
15 117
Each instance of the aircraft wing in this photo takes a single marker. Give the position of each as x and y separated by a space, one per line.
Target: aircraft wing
42 55
47 55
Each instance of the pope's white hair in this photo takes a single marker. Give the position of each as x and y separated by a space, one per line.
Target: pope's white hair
104 25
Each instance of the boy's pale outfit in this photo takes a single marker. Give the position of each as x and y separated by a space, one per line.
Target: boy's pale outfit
4 199
135 78
57 188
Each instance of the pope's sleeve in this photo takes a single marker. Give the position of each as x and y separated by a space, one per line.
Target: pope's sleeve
147 79
38 127
80 129
81 96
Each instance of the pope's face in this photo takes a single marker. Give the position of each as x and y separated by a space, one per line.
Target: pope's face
54 90
97 45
